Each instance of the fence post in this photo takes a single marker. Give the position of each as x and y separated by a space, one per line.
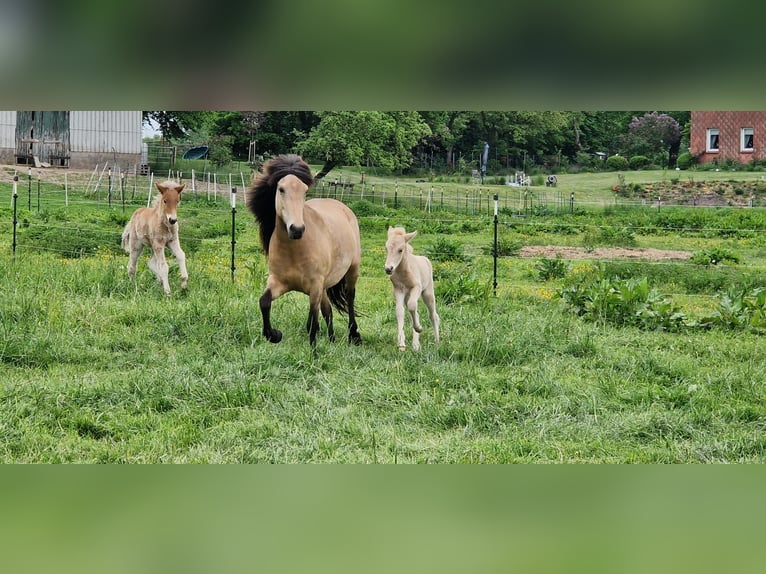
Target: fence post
571 202
494 253
29 202
38 192
233 227
15 220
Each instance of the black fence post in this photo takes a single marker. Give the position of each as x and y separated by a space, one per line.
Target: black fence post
233 228
15 219
571 202
494 254
29 202
38 193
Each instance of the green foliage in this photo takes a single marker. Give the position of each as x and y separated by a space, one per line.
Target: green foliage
220 153
551 268
684 160
444 249
616 162
506 247
460 285
638 161
714 256
71 243
682 277
739 309
608 235
622 302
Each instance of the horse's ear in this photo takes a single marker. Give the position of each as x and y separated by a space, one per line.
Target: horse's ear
162 189
180 188
410 235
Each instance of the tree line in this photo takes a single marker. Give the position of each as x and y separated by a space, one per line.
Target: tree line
437 142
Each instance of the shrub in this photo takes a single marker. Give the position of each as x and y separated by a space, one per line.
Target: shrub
445 250
638 161
741 310
608 235
461 286
548 269
684 160
713 256
616 162
622 302
506 247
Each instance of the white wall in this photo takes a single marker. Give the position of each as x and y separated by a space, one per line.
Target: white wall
105 132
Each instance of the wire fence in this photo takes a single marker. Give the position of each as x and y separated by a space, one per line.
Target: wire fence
210 199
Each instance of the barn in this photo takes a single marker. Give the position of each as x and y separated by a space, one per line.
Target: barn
727 135
76 139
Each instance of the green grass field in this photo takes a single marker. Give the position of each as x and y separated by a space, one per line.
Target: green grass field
95 367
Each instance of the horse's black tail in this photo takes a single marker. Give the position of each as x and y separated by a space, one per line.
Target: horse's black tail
337 296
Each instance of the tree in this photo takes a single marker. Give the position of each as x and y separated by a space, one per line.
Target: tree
176 125
654 134
381 139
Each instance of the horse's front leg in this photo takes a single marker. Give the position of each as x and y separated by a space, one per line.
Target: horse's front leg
399 299
273 290
178 253
159 265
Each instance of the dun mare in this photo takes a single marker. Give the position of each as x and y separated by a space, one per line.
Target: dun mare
313 247
412 277
157 227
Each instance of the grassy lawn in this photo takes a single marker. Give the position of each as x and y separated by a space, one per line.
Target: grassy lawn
95 367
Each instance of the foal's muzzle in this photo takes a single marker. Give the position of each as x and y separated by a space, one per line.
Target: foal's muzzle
388 270
295 231
172 220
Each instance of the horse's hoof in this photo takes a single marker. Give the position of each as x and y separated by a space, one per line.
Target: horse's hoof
402 348
274 337
355 338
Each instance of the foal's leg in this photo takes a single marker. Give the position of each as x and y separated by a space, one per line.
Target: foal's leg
399 300
412 307
159 265
430 300
175 248
136 247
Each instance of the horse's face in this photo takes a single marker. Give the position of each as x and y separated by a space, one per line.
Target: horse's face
396 247
171 198
290 197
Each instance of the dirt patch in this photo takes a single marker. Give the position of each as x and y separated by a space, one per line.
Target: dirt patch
551 251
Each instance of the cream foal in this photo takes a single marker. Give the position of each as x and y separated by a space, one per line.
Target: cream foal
412 277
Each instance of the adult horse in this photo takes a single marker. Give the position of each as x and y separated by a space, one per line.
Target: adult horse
313 246
157 227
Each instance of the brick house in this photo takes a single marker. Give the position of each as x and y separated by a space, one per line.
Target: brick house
721 136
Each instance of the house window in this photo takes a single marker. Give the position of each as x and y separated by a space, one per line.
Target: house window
746 140
712 139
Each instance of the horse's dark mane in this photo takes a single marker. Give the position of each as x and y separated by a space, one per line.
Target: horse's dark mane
261 195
